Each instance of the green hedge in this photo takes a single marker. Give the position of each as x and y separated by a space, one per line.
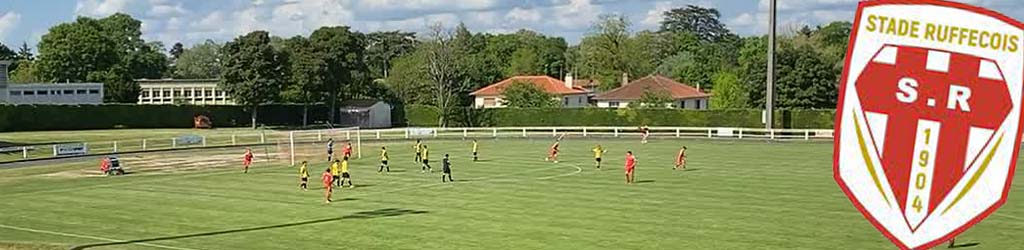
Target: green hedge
426 116
73 117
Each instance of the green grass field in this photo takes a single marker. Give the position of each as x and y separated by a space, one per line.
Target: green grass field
737 195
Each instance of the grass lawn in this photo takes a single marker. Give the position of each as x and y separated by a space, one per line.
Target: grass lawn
737 195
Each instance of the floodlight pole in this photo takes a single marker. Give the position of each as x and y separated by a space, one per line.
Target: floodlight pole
769 94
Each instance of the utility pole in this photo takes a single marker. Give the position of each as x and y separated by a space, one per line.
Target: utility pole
769 94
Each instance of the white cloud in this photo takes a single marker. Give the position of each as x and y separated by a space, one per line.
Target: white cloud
167 10
97 8
422 5
8 22
523 15
656 14
576 14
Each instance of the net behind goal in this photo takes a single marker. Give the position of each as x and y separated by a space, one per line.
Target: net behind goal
312 145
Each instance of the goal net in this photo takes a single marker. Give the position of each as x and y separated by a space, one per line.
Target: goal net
312 145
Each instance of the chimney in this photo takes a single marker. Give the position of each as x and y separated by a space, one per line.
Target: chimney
625 78
568 80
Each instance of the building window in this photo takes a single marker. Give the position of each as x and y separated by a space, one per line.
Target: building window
613 104
69 92
94 91
145 94
580 99
80 91
30 92
166 93
15 92
490 102
42 92
177 93
566 101
208 93
698 103
188 93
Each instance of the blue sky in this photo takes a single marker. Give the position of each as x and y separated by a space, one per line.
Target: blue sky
192 21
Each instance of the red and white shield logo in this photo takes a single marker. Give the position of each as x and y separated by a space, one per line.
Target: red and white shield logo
928 123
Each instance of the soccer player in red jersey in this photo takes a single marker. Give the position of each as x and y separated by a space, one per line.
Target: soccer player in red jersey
681 159
553 152
348 149
630 166
247 160
327 178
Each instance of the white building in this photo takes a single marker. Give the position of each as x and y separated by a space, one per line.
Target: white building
683 96
182 91
365 114
567 94
48 93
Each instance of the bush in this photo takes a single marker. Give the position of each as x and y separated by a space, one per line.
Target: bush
75 117
426 116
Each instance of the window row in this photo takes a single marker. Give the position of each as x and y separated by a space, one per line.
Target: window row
55 92
179 93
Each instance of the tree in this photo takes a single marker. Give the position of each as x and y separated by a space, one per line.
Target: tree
385 46
6 53
306 73
253 72
343 51
805 79
27 72
448 80
202 61
700 21
653 99
108 50
177 50
524 62
728 92
25 53
526 95
609 51
753 60
408 81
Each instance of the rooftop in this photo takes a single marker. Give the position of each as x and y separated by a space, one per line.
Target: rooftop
546 83
635 89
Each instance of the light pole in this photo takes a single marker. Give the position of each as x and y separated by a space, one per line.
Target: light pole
769 94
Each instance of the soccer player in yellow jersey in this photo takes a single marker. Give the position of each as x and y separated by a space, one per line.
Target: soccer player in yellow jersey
418 147
335 173
598 151
344 173
475 147
303 175
383 160
426 159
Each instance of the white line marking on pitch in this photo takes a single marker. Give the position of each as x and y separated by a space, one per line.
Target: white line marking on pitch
92 237
578 170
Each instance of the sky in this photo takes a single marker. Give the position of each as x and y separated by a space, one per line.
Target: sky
194 21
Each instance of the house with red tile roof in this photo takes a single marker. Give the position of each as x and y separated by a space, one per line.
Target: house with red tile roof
683 96
568 95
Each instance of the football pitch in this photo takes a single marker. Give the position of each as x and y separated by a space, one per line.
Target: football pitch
735 195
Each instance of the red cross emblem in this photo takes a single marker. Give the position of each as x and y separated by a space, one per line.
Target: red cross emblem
927 128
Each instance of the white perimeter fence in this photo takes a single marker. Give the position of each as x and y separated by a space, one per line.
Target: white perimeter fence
290 138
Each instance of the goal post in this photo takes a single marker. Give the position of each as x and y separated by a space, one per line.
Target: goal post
311 145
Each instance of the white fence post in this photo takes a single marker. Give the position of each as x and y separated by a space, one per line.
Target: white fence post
406 133
807 135
263 138
54 150
143 144
204 141
319 136
677 132
378 134
465 133
24 152
524 132
174 142
554 132
435 132
115 146
348 135
584 132
772 133
709 133
741 133
233 140
494 132
616 133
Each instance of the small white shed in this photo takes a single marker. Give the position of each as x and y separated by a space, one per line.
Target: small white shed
365 114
